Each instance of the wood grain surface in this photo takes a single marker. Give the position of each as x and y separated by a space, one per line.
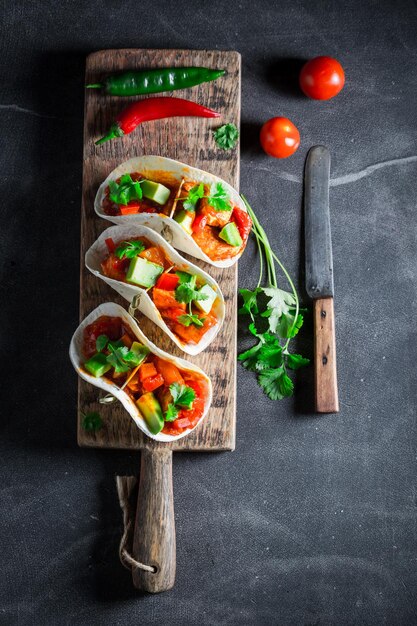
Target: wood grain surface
327 400
154 537
189 140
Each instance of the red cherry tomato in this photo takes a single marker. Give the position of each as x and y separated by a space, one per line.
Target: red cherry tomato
279 137
322 78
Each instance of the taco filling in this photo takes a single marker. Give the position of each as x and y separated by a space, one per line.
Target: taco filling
170 399
204 211
185 302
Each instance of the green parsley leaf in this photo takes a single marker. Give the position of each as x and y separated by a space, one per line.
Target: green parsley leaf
226 136
92 422
193 196
218 198
171 413
129 249
189 318
125 191
101 342
182 395
295 361
276 383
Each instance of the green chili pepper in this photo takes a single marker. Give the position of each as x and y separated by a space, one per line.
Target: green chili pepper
154 81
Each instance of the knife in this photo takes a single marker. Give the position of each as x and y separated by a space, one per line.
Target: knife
319 276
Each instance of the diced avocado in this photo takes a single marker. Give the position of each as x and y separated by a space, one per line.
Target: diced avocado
140 353
97 365
151 412
231 235
205 305
155 191
143 272
185 219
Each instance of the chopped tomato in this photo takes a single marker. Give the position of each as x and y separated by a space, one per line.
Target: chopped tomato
153 382
126 339
129 209
146 370
168 282
168 371
104 325
183 422
111 246
154 255
199 223
171 429
196 412
243 222
166 300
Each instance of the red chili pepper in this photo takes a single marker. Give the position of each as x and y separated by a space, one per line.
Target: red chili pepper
168 282
243 222
154 109
111 246
199 224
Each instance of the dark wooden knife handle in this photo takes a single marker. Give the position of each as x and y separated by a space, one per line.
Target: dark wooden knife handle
154 535
325 372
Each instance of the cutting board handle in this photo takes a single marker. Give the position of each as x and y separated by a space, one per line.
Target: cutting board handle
154 534
327 400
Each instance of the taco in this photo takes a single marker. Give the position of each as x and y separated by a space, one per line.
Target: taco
197 212
166 396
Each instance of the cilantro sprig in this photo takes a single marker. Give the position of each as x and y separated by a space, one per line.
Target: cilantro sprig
218 197
226 136
125 190
182 397
129 249
186 291
190 318
120 356
92 421
270 357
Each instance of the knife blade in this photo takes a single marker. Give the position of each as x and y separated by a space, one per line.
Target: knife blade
319 276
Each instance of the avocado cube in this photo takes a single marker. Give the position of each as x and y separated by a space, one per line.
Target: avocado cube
155 191
230 234
97 365
206 305
143 273
185 219
151 412
140 353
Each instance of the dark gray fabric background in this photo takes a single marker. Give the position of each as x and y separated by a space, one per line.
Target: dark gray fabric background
312 520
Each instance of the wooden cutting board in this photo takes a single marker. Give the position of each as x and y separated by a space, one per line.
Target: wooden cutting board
189 140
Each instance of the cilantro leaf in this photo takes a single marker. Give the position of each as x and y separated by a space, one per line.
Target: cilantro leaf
295 361
249 358
129 249
92 421
101 342
194 195
171 413
125 191
185 291
189 318
218 198
276 383
279 304
286 328
115 358
226 136
270 355
135 355
182 395
250 304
